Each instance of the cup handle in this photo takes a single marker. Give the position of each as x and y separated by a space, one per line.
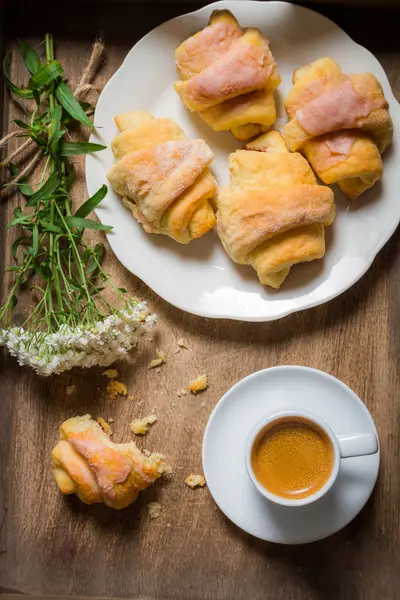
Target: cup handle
357 444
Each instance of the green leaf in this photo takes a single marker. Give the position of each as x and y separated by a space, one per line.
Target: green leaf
92 202
19 219
45 271
71 105
69 182
46 75
36 95
122 290
74 148
13 302
13 269
24 187
18 91
31 58
50 226
47 189
20 240
21 124
55 131
35 240
74 284
95 259
86 223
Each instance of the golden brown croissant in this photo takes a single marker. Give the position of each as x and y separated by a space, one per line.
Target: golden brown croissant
273 213
163 177
228 75
341 123
87 463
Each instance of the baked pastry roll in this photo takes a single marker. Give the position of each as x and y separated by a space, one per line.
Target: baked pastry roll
273 214
228 75
163 176
87 463
341 123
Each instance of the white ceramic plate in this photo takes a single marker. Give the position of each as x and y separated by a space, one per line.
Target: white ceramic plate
253 400
199 277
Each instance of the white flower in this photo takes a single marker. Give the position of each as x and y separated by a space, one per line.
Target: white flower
101 343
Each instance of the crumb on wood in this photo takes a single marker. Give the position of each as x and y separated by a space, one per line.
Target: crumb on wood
71 389
181 393
110 420
173 404
131 397
183 343
194 481
104 425
141 426
110 373
164 467
146 452
159 360
198 384
116 388
203 404
154 509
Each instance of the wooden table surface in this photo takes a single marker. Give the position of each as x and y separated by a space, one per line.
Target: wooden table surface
50 545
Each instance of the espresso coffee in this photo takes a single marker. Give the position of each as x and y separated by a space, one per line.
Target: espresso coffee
292 458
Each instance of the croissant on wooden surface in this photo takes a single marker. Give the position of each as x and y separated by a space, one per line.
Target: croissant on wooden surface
273 214
341 123
163 176
228 75
87 463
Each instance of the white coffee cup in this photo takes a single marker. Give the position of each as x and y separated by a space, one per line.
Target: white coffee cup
344 446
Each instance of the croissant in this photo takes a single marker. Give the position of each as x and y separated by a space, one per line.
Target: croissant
273 213
163 177
87 463
228 75
341 123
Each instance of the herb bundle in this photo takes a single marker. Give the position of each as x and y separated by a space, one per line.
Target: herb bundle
73 323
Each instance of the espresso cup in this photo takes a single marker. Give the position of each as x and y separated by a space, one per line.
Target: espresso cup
341 447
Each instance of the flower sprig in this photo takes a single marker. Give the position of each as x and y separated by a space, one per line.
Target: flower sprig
73 323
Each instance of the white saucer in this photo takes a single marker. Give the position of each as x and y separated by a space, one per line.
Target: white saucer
237 413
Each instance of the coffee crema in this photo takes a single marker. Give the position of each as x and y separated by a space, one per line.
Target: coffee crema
292 458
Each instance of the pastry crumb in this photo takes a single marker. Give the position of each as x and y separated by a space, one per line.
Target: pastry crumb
141 426
105 426
71 389
131 397
181 393
203 404
173 404
159 360
146 452
198 384
110 373
163 467
154 509
183 343
110 420
194 481
116 388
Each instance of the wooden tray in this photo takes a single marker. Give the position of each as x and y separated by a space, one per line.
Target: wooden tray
55 546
